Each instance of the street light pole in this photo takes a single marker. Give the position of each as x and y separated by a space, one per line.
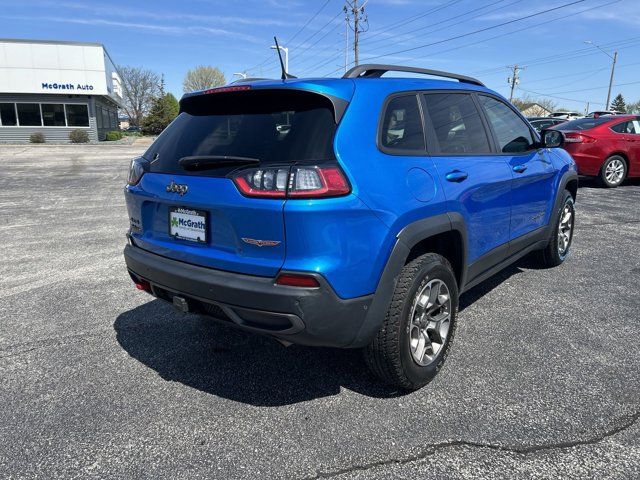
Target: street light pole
614 58
286 56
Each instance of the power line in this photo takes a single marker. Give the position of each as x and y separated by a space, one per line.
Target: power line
490 28
475 32
382 40
308 22
267 59
413 18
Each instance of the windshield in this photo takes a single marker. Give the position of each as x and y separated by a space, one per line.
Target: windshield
276 128
583 123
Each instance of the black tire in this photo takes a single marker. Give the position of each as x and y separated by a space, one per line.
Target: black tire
389 354
551 256
603 171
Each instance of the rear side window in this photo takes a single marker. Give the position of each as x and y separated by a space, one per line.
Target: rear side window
632 127
275 127
402 125
512 132
457 124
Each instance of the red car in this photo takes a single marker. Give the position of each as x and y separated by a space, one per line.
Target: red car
607 147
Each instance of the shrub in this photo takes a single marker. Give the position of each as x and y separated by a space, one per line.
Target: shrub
113 135
37 137
79 136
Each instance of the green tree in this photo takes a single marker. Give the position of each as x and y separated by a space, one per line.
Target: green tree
201 78
633 108
618 104
163 111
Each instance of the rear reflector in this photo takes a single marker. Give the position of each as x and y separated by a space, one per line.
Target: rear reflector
143 285
297 280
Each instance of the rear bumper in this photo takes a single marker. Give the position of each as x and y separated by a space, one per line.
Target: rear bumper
588 163
307 316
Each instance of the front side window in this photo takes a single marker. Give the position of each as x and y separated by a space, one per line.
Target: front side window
514 136
402 125
77 116
8 114
53 115
457 124
29 115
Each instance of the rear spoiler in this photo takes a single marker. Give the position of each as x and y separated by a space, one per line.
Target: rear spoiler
245 98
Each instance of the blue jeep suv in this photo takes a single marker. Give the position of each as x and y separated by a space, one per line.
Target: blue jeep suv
346 212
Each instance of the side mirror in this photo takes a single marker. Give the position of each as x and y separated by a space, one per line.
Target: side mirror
552 138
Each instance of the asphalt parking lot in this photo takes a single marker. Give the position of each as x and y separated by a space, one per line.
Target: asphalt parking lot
100 380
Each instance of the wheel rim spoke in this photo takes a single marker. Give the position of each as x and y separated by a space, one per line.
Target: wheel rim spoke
430 321
565 227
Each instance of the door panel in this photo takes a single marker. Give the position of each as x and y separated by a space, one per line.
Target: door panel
532 169
476 183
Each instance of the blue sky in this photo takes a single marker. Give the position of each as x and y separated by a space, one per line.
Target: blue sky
170 37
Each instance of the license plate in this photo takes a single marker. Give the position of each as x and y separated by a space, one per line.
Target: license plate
188 224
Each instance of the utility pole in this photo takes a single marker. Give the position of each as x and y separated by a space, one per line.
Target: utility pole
514 80
614 58
346 41
613 69
360 25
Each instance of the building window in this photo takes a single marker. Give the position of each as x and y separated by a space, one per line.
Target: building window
29 115
53 115
8 115
77 115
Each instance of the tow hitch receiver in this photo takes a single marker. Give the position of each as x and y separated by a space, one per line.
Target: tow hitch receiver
180 304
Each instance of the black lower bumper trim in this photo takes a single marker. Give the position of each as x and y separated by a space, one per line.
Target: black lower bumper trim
314 316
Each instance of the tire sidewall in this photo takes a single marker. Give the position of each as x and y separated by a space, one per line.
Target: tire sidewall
603 177
420 375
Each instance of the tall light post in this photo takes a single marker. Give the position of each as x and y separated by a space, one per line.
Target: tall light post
614 58
242 75
286 56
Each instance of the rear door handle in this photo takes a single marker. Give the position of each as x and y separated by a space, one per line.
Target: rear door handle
456 176
519 168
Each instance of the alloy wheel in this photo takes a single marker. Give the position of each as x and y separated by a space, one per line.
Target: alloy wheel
430 322
614 171
565 229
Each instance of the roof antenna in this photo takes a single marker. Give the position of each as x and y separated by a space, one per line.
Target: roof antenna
285 74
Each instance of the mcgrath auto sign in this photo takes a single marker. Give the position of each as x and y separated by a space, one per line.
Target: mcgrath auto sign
67 86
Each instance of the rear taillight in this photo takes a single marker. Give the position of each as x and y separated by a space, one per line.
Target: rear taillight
136 170
294 182
578 138
263 182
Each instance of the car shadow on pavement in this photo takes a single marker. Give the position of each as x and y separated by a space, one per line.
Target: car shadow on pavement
222 361
593 182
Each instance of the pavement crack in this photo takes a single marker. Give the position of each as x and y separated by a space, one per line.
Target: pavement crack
620 425
22 348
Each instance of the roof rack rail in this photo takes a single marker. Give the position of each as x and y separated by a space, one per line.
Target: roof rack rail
377 70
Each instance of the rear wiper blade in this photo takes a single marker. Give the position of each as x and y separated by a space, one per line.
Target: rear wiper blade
206 162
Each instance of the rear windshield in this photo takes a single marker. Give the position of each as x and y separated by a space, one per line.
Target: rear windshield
583 123
276 127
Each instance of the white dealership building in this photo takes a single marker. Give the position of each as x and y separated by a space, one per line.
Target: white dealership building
55 87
